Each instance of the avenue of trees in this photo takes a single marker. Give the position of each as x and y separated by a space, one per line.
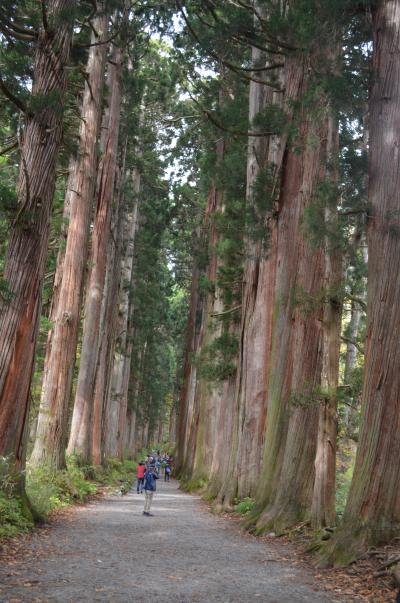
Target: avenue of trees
200 245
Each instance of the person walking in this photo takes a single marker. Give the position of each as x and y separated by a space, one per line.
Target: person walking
167 473
140 471
150 478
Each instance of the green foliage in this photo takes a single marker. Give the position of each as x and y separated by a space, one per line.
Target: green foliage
216 361
311 396
49 491
13 521
244 506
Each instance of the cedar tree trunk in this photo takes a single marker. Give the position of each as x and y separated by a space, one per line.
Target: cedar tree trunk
51 434
27 248
372 513
79 441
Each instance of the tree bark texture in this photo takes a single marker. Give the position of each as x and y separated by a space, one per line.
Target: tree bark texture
323 511
210 455
372 513
118 403
296 352
185 407
79 441
108 325
51 436
250 387
27 248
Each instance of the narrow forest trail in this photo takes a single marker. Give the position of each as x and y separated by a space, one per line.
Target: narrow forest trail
108 551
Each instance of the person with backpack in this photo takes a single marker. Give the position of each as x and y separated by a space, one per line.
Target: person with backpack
150 478
167 472
140 471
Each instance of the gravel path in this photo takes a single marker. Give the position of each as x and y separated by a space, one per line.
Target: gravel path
108 551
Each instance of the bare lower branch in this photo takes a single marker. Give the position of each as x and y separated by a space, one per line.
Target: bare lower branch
352 342
226 311
14 99
9 148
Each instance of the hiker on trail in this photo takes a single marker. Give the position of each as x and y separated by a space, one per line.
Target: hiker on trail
140 471
150 478
167 473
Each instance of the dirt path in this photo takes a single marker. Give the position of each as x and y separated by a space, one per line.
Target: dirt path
108 551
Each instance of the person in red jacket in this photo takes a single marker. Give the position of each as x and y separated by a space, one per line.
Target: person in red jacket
140 471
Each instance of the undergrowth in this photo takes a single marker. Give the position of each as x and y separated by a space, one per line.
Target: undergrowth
193 485
244 506
49 490
13 520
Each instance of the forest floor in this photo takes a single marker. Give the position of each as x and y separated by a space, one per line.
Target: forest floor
108 551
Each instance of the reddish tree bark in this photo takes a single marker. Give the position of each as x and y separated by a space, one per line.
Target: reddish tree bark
294 365
249 395
49 447
184 412
372 513
79 441
117 403
323 510
108 322
27 249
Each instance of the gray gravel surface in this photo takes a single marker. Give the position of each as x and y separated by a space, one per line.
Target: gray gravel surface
108 551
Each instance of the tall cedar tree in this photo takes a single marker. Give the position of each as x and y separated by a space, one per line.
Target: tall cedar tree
65 311
372 513
27 248
79 441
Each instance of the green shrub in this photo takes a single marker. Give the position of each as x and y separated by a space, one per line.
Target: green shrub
12 518
52 490
244 506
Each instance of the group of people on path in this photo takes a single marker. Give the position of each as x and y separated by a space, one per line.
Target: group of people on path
147 474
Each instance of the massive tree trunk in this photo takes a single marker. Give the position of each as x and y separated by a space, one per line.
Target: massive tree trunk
27 248
372 513
108 322
79 441
209 389
172 425
249 397
323 511
210 393
130 435
295 358
51 434
118 402
185 408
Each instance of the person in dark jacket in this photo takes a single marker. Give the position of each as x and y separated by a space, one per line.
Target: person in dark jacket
150 486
